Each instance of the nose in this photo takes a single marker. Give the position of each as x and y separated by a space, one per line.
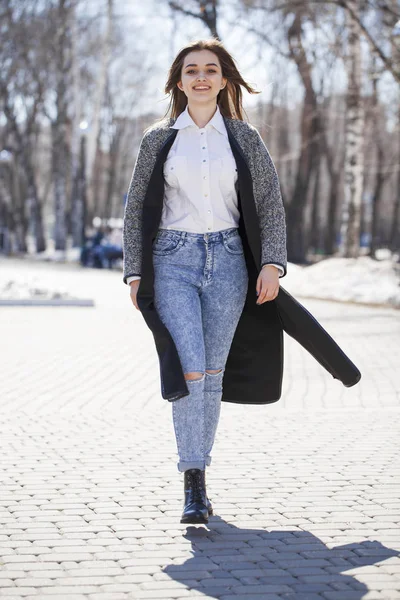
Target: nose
201 76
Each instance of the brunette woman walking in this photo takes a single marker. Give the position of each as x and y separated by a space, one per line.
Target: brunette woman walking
189 245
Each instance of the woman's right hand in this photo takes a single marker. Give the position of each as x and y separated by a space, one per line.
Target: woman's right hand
134 285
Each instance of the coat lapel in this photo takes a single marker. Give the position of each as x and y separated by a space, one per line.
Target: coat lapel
246 200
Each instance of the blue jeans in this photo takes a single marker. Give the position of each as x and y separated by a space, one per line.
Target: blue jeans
200 289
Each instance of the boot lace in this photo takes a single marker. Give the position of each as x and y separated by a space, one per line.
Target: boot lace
197 486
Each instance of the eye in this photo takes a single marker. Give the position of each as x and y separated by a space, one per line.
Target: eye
190 71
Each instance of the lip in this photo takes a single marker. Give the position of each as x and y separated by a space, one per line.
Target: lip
205 88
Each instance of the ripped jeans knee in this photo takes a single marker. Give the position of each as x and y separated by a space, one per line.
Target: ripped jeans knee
194 376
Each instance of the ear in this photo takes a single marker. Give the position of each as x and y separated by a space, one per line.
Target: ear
224 82
180 86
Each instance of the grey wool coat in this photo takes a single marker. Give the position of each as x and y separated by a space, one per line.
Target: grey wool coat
254 369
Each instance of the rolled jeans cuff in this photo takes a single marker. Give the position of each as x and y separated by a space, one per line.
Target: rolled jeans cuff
194 464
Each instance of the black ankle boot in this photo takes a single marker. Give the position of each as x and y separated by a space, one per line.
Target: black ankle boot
195 509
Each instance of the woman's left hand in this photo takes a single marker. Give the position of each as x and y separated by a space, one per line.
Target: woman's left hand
267 284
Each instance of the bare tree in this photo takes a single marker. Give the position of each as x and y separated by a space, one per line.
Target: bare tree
78 141
203 10
375 20
98 102
354 158
62 14
22 91
308 161
395 229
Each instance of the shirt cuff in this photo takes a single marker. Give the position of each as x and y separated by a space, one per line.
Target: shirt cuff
132 278
280 269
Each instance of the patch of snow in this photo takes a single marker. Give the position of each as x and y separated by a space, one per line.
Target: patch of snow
346 279
32 286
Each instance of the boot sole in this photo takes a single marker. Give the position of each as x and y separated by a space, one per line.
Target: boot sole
194 519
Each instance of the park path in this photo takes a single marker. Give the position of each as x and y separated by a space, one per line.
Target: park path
306 490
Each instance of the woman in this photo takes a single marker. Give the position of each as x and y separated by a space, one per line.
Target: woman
204 247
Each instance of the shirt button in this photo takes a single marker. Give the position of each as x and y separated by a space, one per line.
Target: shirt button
202 133
203 148
209 212
205 177
209 229
206 195
204 160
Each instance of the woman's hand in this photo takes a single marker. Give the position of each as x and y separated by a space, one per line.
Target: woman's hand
134 285
267 284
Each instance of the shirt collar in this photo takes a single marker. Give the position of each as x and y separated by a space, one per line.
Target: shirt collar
185 120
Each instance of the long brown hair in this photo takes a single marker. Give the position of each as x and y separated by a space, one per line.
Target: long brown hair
229 98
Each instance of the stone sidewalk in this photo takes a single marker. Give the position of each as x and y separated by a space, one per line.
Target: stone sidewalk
305 491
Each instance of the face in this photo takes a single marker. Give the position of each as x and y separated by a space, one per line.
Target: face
201 77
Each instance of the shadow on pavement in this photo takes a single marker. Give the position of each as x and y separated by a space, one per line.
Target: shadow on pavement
228 561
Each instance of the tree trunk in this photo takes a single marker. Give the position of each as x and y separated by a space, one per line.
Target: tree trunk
19 217
310 128
376 199
113 156
32 199
315 231
334 176
76 226
60 175
395 229
6 202
209 10
60 146
24 156
354 159
94 129
380 160
330 236
207 13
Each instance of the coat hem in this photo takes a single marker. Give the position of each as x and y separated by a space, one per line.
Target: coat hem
250 402
173 397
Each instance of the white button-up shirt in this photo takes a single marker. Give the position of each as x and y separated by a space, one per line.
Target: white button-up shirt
200 191
200 174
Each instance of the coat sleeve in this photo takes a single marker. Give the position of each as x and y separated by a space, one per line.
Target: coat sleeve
132 229
269 205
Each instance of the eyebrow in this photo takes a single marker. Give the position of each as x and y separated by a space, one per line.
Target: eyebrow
207 65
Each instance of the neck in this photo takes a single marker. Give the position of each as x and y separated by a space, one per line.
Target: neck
201 115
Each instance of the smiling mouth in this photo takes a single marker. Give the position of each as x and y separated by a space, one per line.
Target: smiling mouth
201 88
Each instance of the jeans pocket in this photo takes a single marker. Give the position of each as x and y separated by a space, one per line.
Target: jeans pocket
233 244
167 244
